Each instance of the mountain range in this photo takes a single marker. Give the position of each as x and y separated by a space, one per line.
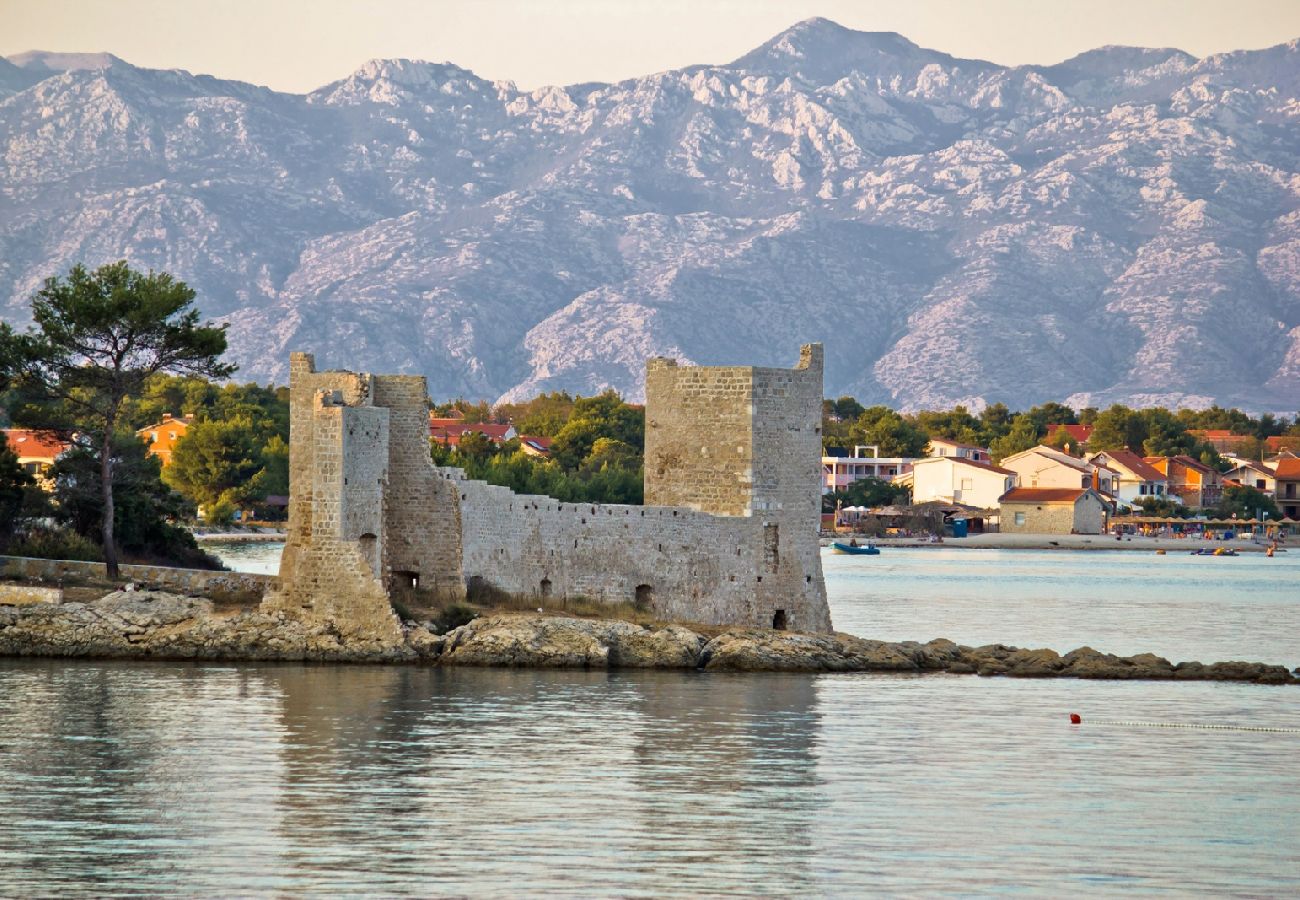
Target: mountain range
1121 227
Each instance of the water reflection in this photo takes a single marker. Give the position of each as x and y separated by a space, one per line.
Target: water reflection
294 779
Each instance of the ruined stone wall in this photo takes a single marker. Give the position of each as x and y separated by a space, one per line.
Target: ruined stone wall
699 449
422 516
746 442
212 584
676 563
787 420
332 567
729 535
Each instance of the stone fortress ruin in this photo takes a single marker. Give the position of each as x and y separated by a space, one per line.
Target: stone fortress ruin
728 535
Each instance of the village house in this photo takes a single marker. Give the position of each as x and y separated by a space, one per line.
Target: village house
1193 482
1137 477
1079 436
535 445
958 480
1257 475
448 431
1054 511
1221 439
1283 443
839 471
945 447
1044 467
1287 485
37 452
163 437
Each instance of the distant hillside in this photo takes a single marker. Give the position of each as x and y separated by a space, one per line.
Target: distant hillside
1123 226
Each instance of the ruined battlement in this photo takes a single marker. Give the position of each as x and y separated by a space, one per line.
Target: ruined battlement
728 535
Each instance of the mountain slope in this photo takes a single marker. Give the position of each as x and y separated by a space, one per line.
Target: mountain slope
1122 226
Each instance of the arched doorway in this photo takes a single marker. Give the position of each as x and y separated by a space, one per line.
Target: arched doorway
778 620
645 596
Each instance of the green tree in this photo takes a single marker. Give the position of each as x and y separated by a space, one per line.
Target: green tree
475 444
1051 414
1022 436
218 460
956 424
868 492
602 416
1060 439
995 422
611 453
844 409
1245 503
1166 435
544 415
144 516
894 435
96 340
1116 428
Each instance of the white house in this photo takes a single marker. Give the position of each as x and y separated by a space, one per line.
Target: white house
958 480
945 447
1137 477
1047 468
838 472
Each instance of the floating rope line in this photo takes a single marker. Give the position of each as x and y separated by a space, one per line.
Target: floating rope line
1075 719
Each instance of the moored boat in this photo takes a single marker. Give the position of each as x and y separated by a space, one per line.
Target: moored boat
855 550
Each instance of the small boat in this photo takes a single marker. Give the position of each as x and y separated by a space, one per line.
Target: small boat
868 550
1220 551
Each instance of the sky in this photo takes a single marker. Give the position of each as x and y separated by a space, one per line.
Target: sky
296 45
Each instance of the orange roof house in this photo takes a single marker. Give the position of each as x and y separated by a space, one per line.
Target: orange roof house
1079 434
535 445
1221 439
36 452
163 436
1287 494
449 431
1195 483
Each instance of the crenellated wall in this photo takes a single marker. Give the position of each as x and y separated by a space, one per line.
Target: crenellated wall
728 535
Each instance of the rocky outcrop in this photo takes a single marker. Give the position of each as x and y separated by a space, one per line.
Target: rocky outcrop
158 625
561 642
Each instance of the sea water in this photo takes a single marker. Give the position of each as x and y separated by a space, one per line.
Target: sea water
221 779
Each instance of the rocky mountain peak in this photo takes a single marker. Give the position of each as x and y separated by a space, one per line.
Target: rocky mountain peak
1123 226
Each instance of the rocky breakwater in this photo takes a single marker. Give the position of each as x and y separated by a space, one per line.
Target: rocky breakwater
159 625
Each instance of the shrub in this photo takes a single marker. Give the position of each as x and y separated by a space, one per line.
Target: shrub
55 543
454 616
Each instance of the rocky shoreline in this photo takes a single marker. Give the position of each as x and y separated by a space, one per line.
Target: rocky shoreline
159 625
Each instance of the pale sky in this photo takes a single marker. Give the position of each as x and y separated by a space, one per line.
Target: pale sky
299 45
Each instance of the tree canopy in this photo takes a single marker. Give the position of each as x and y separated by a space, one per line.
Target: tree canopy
96 339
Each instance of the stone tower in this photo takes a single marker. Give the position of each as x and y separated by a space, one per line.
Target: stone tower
746 441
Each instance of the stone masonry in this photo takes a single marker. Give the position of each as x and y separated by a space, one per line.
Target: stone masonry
728 535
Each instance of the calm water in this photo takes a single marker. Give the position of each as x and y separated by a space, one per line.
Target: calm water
124 778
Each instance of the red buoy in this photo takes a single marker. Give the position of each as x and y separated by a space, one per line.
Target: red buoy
1075 719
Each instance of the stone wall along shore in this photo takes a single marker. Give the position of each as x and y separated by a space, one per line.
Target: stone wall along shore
219 585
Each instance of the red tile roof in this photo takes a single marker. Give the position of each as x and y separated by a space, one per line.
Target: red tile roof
1080 433
979 465
450 432
28 444
1135 464
1043 495
1288 467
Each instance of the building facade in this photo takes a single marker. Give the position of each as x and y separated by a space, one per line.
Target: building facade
957 480
1054 511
